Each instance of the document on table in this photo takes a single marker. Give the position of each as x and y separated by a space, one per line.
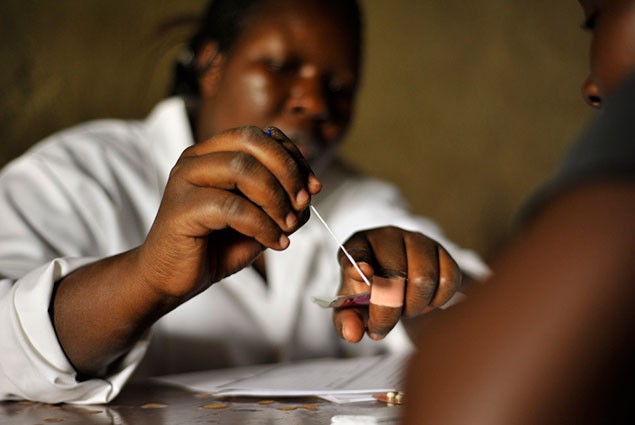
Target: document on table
338 380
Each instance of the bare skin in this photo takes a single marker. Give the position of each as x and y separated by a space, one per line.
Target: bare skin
227 199
533 345
431 276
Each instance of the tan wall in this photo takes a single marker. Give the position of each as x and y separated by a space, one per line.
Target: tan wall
466 105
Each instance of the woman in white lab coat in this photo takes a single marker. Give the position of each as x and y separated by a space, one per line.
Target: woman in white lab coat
110 226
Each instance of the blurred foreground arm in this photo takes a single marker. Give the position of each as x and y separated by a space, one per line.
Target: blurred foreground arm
545 340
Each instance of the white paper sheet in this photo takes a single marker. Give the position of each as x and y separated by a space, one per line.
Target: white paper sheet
338 380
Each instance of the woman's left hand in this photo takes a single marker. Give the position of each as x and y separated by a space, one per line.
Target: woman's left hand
410 275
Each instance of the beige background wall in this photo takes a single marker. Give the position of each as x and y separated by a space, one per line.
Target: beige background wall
467 105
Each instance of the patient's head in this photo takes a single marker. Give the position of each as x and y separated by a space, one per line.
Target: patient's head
612 52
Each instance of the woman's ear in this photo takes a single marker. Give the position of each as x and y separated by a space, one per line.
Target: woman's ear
208 64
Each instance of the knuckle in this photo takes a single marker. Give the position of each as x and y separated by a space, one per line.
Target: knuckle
422 289
189 151
177 170
233 206
427 278
250 129
242 163
181 170
450 282
250 133
425 285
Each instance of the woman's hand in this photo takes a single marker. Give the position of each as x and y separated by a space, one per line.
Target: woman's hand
410 273
227 199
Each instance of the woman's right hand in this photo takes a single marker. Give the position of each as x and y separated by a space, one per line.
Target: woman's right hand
226 200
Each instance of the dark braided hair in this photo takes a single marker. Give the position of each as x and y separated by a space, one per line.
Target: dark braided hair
224 21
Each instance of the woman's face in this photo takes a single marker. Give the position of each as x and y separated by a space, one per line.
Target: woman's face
294 67
612 54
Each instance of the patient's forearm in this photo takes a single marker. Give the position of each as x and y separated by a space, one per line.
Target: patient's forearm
528 347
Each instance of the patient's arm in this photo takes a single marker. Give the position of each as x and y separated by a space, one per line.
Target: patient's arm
541 342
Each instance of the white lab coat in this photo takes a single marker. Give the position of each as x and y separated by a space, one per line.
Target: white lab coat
93 191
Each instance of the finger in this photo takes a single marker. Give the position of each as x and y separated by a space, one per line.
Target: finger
359 245
350 323
361 252
450 278
314 183
291 174
239 171
388 250
388 284
381 251
423 273
386 304
205 210
351 274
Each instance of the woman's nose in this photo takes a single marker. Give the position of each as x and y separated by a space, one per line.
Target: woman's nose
590 93
308 97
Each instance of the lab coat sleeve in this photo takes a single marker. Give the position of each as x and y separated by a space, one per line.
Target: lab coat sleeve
33 365
59 209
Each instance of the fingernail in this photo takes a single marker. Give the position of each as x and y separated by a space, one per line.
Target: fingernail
302 198
376 336
314 184
291 220
347 335
428 309
343 331
284 241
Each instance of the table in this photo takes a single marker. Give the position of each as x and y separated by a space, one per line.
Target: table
158 403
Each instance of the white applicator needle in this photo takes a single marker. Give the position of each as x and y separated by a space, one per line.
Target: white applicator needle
364 278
